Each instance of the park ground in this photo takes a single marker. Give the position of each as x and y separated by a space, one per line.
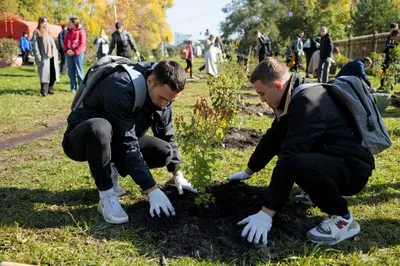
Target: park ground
48 203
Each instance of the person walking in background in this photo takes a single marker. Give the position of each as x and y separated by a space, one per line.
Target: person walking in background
74 46
209 43
265 45
101 43
61 37
25 46
46 57
124 41
297 48
390 44
189 59
325 56
310 46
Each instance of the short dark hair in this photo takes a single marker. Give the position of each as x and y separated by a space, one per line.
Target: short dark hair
367 60
118 25
393 25
171 73
269 70
395 33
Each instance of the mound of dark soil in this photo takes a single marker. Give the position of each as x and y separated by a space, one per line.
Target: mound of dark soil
242 138
212 233
395 101
258 109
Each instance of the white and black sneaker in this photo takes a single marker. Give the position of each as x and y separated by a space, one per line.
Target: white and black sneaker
303 199
111 209
334 230
119 191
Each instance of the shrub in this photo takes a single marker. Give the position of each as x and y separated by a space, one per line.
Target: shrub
9 50
196 137
171 50
341 60
390 76
376 68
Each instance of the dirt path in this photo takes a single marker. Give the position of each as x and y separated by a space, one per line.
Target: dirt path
9 143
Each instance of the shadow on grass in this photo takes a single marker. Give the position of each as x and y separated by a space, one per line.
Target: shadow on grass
20 91
375 194
17 76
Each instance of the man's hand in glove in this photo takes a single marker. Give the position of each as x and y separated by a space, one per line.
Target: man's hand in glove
159 201
257 228
241 175
181 183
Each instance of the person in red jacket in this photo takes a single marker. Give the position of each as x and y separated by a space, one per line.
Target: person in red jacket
74 46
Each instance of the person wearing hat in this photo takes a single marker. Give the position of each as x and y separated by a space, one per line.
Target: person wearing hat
124 41
25 46
209 43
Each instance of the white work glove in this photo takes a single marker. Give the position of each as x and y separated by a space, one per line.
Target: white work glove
181 183
258 226
239 176
138 54
159 201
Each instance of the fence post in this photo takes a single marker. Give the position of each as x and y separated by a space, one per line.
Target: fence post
375 42
349 47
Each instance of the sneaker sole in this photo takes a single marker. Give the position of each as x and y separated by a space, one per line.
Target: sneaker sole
117 221
349 234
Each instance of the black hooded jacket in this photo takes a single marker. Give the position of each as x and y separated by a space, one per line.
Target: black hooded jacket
113 99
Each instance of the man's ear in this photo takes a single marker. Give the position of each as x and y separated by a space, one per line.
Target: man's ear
150 81
278 85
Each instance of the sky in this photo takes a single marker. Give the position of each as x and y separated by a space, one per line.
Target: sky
195 16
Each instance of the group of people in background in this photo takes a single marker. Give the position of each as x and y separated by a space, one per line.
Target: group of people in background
54 58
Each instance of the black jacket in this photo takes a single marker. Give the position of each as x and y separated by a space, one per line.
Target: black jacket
113 100
265 45
124 42
326 46
315 44
314 123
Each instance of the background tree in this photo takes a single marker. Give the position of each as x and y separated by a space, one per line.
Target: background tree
373 15
246 16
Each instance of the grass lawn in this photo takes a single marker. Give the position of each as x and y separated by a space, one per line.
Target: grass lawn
48 202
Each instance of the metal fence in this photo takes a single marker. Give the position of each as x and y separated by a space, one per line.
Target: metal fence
361 46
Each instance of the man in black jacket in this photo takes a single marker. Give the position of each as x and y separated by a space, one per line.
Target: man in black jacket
124 41
318 147
325 56
63 57
390 44
265 45
108 128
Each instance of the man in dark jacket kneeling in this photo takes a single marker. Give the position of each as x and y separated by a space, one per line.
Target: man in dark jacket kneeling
318 147
109 127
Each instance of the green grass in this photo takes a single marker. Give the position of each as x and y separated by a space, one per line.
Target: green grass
48 202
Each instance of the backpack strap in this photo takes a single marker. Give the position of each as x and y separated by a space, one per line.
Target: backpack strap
139 83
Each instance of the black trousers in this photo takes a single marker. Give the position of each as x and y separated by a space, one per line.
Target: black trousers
91 141
297 58
47 88
189 66
25 57
63 63
326 179
261 56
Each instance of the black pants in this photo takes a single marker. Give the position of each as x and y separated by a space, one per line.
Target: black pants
261 56
47 88
189 66
91 141
63 63
202 67
25 57
326 179
308 59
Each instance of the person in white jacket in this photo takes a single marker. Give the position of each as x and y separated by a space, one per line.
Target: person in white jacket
102 45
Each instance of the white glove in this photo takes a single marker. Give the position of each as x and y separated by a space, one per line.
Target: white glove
181 183
158 200
258 226
239 176
138 54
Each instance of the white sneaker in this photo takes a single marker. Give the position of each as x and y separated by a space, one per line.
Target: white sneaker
334 230
119 191
112 211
